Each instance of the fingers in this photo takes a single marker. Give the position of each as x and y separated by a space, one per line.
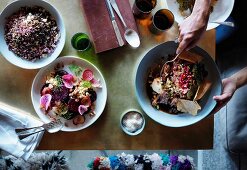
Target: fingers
192 44
186 42
222 97
182 45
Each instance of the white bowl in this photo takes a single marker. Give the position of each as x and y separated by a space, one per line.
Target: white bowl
13 58
125 130
221 11
153 57
39 81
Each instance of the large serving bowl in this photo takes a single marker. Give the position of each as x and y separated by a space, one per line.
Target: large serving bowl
221 11
207 103
40 79
13 58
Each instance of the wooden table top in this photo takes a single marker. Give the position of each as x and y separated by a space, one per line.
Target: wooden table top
115 65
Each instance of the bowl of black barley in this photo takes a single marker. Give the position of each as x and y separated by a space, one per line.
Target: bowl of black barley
32 33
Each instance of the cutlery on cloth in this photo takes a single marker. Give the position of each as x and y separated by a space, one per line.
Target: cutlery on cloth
22 135
114 24
130 35
51 127
11 118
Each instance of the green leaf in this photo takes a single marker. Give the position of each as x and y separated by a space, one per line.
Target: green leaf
197 71
86 84
59 80
75 69
68 115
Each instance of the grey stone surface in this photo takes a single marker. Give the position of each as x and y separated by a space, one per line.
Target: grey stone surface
78 160
218 158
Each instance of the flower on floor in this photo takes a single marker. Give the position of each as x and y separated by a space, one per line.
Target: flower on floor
142 162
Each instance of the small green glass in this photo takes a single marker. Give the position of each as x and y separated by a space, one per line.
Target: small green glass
80 42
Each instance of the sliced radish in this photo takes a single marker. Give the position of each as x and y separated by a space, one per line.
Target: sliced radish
95 83
45 101
82 109
68 80
87 75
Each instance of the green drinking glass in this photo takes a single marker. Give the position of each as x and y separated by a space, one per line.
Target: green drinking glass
81 42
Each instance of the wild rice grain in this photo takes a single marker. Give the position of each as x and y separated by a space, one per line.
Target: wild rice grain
31 33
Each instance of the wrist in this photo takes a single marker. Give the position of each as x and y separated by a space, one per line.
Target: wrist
201 14
240 77
234 80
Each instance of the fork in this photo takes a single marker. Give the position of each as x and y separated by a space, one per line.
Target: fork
51 127
22 136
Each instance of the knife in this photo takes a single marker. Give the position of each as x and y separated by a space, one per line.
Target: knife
115 7
114 23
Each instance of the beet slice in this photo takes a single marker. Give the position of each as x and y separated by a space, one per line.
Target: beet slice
93 95
61 72
73 106
60 93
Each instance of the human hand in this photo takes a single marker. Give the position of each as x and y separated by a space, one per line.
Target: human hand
229 87
190 31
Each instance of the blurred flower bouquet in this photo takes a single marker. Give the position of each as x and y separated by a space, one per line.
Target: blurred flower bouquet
142 162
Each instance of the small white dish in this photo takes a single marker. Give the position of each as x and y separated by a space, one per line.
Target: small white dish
138 131
13 58
221 12
40 79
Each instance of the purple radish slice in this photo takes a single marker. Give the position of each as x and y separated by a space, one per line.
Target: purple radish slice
68 80
95 82
87 75
45 101
82 109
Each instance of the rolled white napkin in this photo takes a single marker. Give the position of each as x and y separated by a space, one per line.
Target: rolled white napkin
11 118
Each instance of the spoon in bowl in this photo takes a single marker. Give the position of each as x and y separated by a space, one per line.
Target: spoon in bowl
168 61
130 35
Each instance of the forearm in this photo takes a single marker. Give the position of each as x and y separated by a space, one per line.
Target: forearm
240 77
202 9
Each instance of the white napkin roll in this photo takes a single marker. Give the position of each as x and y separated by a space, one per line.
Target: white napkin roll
11 118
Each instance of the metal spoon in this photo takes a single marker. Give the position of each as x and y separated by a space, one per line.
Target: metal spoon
130 35
169 61
226 23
